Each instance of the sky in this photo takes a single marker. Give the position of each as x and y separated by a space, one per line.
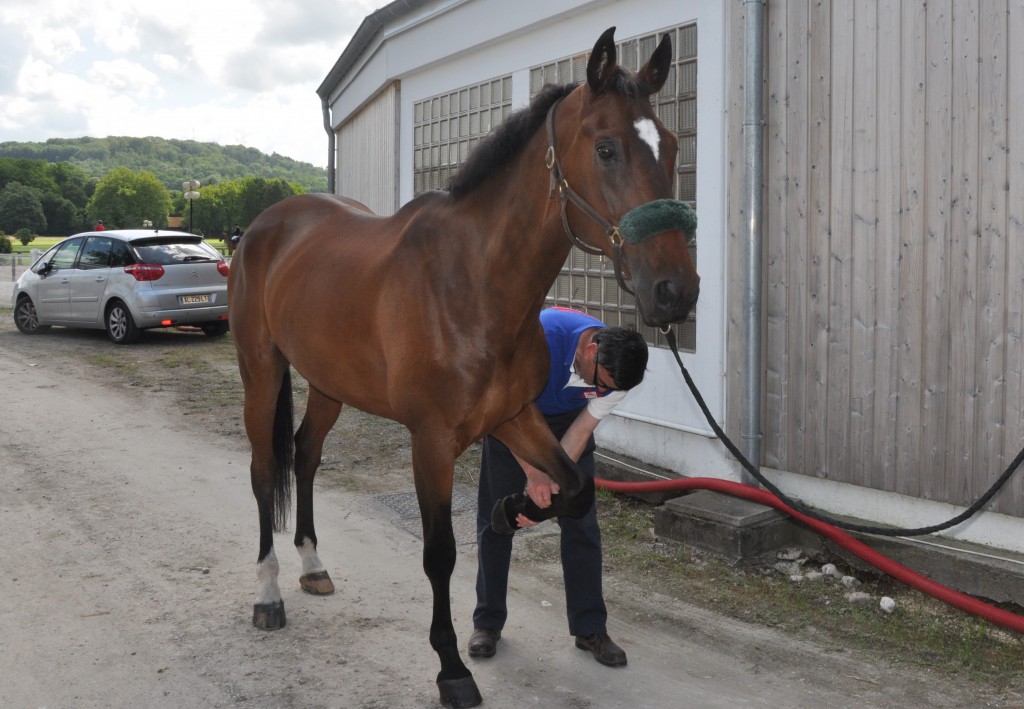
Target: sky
233 72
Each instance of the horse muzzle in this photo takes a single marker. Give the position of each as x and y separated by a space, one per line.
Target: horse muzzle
668 301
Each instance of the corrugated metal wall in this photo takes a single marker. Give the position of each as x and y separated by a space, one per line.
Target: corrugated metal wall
894 243
367 160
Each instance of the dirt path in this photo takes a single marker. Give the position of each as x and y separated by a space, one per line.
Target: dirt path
129 543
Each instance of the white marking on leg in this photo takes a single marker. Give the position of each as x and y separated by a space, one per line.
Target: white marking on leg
310 561
266 572
649 134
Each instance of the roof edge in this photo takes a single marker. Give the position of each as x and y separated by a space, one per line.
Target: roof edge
368 29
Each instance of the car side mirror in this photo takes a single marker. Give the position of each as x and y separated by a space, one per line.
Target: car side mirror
45 268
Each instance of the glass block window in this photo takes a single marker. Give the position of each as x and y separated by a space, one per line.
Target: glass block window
448 126
587 282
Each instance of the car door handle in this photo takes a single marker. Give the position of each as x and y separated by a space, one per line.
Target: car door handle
100 279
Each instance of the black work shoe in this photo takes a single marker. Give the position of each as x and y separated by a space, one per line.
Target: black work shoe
484 642
604 648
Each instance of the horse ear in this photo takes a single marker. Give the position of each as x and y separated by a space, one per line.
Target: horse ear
655 71
603 61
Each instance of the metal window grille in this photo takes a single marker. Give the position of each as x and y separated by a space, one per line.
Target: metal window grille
447 127
587 282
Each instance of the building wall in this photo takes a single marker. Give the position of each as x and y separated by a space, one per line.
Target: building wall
367 159
485 40
894 244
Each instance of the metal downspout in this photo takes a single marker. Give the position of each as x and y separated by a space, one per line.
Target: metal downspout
326 108
753 146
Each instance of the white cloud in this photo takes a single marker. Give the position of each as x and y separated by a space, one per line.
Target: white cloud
227 71
125 77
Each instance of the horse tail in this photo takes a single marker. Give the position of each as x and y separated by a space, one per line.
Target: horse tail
284 452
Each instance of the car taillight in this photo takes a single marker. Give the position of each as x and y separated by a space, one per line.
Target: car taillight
145 271
223 268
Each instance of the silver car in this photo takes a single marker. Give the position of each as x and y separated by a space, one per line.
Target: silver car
125 281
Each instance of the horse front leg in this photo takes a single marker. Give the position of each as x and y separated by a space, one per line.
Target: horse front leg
529 437
321 415
433 468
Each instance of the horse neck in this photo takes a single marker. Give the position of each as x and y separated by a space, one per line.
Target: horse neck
521 225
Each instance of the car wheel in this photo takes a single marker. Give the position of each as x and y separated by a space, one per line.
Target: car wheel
215 329
26 318
120 325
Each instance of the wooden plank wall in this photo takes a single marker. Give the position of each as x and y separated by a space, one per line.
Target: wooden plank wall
894 243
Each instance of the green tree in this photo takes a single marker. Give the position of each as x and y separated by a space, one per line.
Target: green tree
124 199
62 217
235 202
5 244
25 236
20 207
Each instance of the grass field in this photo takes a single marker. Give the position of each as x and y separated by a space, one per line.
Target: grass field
40 242
44 242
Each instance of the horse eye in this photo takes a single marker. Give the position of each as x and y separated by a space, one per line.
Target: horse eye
605 151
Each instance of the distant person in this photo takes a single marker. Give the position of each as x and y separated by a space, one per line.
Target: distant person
236 237
99 225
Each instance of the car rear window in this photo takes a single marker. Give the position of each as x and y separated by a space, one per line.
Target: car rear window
168 251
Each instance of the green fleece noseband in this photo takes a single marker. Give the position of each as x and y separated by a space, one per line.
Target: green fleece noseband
645 221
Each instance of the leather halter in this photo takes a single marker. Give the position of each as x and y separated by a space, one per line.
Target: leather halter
566 194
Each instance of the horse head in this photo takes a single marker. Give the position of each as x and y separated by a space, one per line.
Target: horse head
607 140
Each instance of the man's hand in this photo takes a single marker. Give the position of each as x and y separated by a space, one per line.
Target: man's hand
540 488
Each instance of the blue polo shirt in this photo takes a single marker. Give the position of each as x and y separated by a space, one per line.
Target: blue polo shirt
565 390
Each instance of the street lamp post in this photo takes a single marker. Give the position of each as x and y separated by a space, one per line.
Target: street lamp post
191 190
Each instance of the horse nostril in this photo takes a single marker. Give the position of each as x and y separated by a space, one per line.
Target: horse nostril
666 293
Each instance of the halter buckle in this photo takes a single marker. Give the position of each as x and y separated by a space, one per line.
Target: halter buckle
549 158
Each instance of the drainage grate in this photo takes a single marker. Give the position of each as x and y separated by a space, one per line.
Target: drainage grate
405 506
463 527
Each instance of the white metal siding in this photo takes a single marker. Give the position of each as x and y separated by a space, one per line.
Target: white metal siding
367 160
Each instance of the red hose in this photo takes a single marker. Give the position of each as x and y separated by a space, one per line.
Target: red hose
956 599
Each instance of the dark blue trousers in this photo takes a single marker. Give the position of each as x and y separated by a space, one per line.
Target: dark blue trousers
500 476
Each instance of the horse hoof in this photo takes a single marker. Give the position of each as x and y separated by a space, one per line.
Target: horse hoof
503 516
456 693
318 583
269 616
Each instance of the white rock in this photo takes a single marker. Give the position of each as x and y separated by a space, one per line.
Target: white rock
830 570
787 567
797 578
815 576
789 554
888 605
858 597
850 582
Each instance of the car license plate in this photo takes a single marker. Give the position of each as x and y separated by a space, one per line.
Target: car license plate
191 299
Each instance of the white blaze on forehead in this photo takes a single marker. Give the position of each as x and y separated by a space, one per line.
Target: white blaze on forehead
649 134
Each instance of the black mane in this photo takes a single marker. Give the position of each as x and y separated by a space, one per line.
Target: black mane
506 141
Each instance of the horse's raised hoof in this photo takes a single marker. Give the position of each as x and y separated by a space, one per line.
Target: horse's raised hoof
269 616
503 516
318 583
457 693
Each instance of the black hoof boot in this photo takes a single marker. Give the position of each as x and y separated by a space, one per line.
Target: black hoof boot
269 616
458 693
503 516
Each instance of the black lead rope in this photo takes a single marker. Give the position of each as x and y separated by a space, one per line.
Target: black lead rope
882 531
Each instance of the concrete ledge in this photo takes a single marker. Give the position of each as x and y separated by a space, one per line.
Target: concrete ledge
737 529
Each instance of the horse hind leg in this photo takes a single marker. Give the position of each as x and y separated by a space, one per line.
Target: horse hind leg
321 415
268 423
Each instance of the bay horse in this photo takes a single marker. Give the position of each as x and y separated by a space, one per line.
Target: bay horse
430 317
